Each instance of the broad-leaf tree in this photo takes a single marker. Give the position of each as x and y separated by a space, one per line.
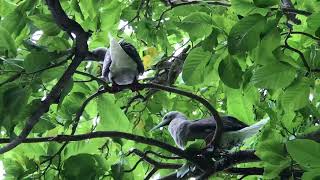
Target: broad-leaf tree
250 59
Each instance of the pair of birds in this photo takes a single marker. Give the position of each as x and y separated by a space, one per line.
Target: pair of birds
122 65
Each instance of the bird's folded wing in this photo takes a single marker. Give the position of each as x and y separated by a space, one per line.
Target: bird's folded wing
134 55
233 138
209 124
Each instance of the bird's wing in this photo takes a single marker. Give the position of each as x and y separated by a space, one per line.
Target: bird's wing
209 124
106 65
233 138
232 124
203 128
133 53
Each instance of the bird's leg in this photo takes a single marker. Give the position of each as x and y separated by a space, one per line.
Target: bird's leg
114 86
135 86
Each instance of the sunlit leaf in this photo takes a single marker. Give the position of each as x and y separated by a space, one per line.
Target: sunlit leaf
245 35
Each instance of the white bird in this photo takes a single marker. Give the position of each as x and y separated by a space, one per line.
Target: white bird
182 130
121 62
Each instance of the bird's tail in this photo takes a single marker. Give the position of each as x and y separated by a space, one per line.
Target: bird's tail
233 138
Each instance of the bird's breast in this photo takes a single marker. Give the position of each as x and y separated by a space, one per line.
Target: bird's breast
179 132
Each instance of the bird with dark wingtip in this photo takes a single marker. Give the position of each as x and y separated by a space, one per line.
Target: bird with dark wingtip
121 62
182 130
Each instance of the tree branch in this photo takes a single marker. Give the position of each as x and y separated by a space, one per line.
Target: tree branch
199 161
81 51
303 33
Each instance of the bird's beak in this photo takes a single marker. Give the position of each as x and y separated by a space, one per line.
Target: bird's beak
163 123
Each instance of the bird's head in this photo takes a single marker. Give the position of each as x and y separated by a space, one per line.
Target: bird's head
168 118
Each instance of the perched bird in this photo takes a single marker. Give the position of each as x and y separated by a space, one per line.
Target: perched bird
121 62
291 16
182 130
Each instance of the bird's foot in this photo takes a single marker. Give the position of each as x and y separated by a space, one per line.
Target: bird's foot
116 88
135 86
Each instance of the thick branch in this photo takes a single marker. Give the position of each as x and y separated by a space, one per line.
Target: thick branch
81 51
200 162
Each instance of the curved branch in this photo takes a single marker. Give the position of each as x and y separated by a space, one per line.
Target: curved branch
81 51
287 46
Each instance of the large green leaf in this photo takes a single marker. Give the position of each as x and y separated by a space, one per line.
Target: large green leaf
273 155
246 7
197 24
296 96
6 7
305 152
193 66
111 116
7 44
245 35
45 23
311 175
273 76
36 61
14 22
82 166
313 21
13 101
264 52
230 72
264 3
239 106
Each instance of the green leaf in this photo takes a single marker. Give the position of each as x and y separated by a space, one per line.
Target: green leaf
311 175
239 106
111 116
313 57
14 22
82 166
296 96
36 61
264 53
13 100
313 21
273 76
193 66
88 8
265 3
70 105
273 155
245 35
6 7
7 44
197 25
46 23
305 152
246 7
230 72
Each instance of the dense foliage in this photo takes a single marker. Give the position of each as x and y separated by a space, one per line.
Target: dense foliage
243 56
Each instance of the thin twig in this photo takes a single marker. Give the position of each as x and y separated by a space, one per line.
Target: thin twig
302 33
